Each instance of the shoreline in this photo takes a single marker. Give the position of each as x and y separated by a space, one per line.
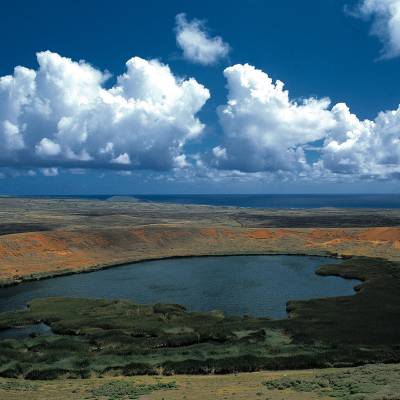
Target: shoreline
44 255
318 271
88 270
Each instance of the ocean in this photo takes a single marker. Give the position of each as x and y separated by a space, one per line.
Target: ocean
266 200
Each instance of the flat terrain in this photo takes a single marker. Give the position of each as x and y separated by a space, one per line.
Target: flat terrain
102 341
26 215
46 237
372 382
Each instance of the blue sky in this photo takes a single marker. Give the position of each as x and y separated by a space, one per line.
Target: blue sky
316 48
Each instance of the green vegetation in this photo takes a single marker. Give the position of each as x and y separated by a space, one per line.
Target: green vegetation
369 318
372 382
19 386
99 337
121 390
122 338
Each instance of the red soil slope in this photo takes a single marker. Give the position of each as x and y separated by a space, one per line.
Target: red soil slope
38 254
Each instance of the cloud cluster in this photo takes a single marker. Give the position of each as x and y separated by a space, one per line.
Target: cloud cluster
363 148
196 44
266 131
263 129
386 23
61 115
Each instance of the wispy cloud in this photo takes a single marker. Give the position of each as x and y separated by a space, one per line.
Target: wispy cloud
385 15
197 45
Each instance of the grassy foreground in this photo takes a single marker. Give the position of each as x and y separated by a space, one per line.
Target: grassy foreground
371 382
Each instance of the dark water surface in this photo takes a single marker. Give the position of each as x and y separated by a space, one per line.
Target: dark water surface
256 285
23 332
283 201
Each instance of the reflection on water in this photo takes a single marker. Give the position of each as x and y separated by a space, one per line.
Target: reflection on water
257 285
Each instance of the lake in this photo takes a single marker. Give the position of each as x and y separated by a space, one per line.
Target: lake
237 285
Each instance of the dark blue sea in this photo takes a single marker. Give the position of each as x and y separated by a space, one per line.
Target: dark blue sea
267 200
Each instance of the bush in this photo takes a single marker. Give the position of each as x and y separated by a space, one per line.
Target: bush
46 373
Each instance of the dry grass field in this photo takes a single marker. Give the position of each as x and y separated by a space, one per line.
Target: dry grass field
373 382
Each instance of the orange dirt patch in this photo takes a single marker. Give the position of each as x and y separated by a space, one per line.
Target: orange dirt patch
259 234
324 235
381 234
209 232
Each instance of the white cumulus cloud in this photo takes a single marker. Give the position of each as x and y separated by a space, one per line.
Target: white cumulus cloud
197 45
263 128
363 147
386 23
265 131
62 115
